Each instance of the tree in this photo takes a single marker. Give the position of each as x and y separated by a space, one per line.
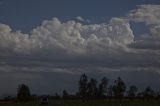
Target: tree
92 89
119 88
148 93
158 95
57 96
102 89
132 92
139 95
23 93
110 92
65 94
83 82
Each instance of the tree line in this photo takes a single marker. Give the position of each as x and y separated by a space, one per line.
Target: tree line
90 89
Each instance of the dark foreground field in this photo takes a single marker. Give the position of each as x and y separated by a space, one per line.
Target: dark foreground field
93 103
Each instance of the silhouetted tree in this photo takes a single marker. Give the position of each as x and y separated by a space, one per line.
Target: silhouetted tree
23 93
148 93
132 92
65 94
57 96
119 88
92 89
158 95
83 83
140 96
8 98
102 89
110 92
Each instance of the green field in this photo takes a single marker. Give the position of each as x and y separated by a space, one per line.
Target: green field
93 103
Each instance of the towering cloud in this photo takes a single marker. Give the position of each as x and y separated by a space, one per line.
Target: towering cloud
71 37
12 41
74 44
146 13
74 47
150 14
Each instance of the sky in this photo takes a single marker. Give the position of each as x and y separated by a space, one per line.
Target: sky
48 44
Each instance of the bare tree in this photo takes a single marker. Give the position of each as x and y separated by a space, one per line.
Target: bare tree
83 82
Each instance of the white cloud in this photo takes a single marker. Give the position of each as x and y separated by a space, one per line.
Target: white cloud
71 48
74 44
146 13
80 19
150 14
4 28
13 41
70 37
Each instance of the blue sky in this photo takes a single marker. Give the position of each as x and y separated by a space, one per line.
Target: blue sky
45 41
24 15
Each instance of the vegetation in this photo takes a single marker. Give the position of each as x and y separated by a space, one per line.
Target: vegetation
90 93
91 103
65 94
83 87
102 88
119 88
105 103
132 92
23 93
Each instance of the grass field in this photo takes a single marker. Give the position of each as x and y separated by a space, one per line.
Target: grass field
19 104
105 103
79 103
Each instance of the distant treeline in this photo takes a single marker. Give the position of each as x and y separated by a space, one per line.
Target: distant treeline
90 89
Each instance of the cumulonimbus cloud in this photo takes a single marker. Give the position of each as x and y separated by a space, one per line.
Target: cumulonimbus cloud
72 37
150 14
105 45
